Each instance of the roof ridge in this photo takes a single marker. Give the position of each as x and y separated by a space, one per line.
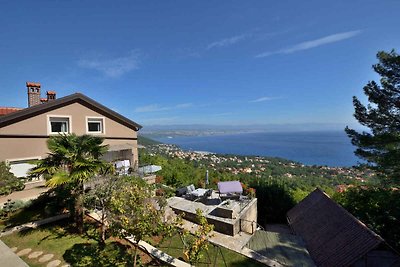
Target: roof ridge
41 108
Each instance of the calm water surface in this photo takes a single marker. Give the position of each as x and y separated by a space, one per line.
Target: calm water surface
311 148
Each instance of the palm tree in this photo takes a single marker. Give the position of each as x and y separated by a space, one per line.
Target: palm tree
72 161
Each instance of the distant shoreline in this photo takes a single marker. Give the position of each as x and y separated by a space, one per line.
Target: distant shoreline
175 134
323 148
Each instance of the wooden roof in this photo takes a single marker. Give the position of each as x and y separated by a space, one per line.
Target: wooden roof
333 236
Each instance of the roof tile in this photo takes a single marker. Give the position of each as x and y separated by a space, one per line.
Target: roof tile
333 236
8 110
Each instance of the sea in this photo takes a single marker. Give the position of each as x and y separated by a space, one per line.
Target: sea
325 148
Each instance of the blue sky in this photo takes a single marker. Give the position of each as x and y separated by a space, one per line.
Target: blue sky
199 62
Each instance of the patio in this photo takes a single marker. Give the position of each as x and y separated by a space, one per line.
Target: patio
230 216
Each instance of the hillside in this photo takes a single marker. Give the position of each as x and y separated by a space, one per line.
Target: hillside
145 141
182 167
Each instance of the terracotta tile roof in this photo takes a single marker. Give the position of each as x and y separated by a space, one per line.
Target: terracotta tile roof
333 236
51 92
7 110
32 84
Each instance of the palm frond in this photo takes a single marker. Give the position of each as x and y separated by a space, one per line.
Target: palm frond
58 178
75 156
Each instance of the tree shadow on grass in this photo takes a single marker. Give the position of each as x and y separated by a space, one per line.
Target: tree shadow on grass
45 205
246 262
93 254
57 229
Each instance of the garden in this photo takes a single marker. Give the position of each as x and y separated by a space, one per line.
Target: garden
125 205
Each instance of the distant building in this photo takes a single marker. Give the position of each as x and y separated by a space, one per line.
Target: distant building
8 110
334 237
24 132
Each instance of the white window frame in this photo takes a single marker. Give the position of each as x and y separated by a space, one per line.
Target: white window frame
102 121
64 117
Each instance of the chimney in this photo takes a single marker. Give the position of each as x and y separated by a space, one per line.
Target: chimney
51 95
33 93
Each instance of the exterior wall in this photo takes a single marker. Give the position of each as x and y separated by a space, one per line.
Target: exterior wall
223 226
38 125
12 149
248 220
34 133
245 222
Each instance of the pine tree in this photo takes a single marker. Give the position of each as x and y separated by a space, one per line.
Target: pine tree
380 146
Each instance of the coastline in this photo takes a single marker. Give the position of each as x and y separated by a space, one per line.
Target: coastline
323 148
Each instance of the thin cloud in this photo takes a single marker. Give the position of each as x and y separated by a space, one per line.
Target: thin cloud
156 107
262 99
114 67
185 53
150 108
159 121
333 38
227 41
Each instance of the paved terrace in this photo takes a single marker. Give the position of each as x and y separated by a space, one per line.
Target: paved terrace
32 190
9 258
230 216
236 242
271 249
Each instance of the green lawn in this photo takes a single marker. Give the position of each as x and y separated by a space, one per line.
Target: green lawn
174 247
22 216
84 250
70 248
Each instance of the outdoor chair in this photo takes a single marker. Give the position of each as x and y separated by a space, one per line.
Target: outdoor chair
200 194
185 191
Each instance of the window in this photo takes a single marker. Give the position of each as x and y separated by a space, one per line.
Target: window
59 125
95 125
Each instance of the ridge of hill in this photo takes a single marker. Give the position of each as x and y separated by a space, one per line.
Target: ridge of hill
145 141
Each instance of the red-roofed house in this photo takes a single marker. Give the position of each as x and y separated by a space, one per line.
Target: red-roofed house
7 110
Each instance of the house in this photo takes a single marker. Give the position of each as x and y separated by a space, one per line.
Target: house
334 237
24 132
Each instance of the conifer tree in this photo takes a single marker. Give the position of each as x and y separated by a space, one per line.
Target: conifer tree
380 146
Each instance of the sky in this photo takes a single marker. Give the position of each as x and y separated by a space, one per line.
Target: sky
200 62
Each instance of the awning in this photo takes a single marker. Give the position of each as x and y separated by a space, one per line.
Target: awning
149 169
230 187
120 147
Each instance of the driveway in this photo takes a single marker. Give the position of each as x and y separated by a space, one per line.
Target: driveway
32 191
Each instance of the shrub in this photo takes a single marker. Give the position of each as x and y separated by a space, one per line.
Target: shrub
378 208
8 181
273 200
11 206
